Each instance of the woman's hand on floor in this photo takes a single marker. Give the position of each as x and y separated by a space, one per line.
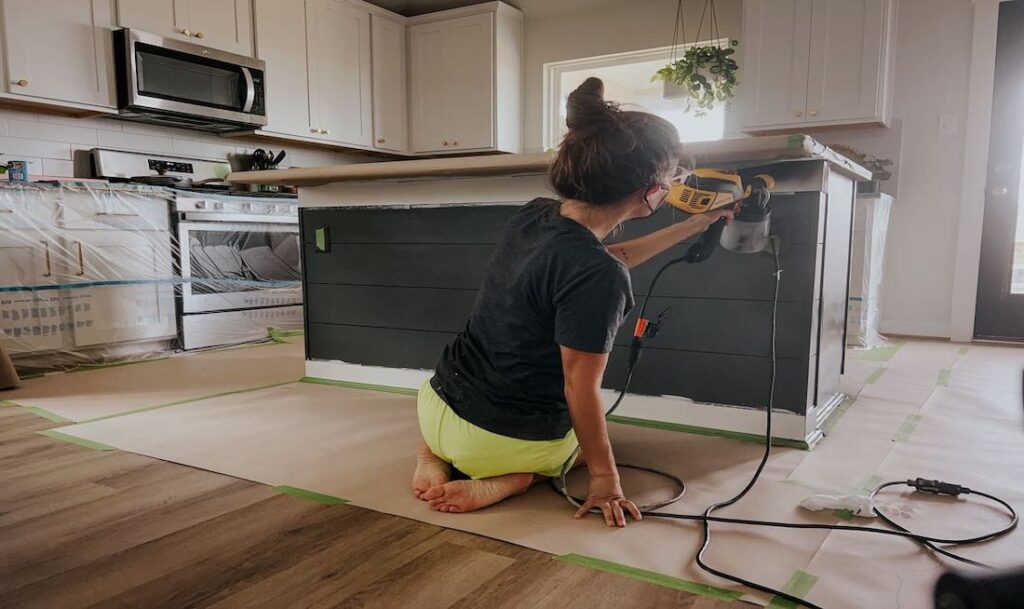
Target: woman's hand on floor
606 495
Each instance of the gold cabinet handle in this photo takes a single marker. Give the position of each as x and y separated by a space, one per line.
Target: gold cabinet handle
798 113
380 141
455 142
21 83
314 130
186 31
813 113
444 142
199 34
46 248
327 132
81 260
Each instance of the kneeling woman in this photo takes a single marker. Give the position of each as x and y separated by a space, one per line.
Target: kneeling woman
516 392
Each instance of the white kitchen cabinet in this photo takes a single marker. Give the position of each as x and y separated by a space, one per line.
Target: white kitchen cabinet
219 24
60 53
816 63
465 80
387 37
340 84
30 320
281 43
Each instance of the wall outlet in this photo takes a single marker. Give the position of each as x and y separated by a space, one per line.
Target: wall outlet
947 124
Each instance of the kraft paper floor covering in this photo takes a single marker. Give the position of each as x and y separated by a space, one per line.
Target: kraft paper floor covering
924 409
92 394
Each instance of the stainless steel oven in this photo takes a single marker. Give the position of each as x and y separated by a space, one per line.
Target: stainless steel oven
166 81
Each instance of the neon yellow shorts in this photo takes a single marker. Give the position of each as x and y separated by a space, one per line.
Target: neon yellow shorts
479 453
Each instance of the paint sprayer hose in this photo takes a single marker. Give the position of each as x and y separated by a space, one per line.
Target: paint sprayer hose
931 487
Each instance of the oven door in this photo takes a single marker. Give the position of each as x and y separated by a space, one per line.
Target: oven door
163 76
229 266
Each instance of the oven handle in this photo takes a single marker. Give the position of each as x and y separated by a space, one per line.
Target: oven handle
250 89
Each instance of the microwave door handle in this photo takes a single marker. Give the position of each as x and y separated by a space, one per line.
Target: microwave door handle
250 89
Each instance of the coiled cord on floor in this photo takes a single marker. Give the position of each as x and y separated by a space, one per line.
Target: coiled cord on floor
707 517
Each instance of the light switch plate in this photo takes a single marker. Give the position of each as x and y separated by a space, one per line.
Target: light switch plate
947 124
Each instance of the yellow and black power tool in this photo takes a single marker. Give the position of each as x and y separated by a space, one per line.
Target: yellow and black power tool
705 190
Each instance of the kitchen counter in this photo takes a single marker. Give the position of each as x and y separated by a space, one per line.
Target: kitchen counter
731 153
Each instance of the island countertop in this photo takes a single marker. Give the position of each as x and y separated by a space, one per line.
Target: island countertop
727 153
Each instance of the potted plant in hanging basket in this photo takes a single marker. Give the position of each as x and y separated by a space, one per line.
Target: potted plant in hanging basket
703 76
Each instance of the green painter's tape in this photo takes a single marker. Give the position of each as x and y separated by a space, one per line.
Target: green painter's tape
868 484
907 428
63 437
846 515
821 490
707 431
796 140
321 239
877 374
650 577
366 386
34 375
944 377
46 414
7 404
798 585
310 495
280 336
833 419
881 354
963 350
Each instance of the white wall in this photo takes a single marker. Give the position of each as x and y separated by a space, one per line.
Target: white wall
56 145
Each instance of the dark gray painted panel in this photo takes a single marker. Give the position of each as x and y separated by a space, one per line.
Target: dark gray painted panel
712 377
396 264
735 276
795 218
741 327
459 224
377 346
390 307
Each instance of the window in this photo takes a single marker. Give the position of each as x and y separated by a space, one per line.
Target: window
627 80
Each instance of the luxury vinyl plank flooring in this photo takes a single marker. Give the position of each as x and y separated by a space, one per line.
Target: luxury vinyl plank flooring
86 528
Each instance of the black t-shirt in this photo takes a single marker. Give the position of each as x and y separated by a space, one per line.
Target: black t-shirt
550 282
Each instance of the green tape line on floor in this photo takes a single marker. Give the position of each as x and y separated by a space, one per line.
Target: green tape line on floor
877 374
881 354
310 495
944 377
279 336
63 437
7 404
46 414
963 350
833 419
366 386
707 431
907 428
798 585
868 484
651 577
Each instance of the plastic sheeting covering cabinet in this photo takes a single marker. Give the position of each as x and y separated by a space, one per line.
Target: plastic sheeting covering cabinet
870 226
86 273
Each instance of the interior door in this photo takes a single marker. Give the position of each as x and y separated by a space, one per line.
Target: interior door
163 17
846 70
281 43
776 56
222 24
471 60
60 50
340 67
1000 310
429 91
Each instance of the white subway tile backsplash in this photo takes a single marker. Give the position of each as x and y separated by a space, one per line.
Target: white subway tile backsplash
52 132
134 141
56 167
35 148
218 150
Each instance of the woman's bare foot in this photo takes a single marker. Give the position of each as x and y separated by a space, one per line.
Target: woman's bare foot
468 495
430 471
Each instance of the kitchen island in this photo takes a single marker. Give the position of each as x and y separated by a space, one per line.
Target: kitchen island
394 254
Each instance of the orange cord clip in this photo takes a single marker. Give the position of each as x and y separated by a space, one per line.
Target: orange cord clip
641 327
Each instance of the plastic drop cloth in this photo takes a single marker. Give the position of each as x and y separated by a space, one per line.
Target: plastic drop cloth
89 274
870 227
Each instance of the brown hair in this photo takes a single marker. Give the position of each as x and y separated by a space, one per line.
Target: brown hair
610 153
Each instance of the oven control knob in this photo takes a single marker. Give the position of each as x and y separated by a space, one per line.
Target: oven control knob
200 204
218 205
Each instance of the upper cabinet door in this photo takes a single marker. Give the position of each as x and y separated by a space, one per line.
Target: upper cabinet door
281 43
60 51
222 24
339 72
776 52
429 87
164 17
846 79
470 57
219 24
389 99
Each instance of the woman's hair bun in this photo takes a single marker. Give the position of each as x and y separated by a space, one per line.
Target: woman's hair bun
586 107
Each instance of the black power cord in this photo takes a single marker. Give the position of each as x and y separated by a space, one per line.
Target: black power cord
646 329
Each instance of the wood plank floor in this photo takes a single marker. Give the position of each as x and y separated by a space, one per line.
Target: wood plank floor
87 528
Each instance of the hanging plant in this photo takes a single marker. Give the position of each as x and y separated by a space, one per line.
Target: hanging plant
704 74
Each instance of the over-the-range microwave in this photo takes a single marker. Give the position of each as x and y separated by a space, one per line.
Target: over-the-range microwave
168 82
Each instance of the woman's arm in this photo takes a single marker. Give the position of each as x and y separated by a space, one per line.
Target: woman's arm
637 251
583 372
